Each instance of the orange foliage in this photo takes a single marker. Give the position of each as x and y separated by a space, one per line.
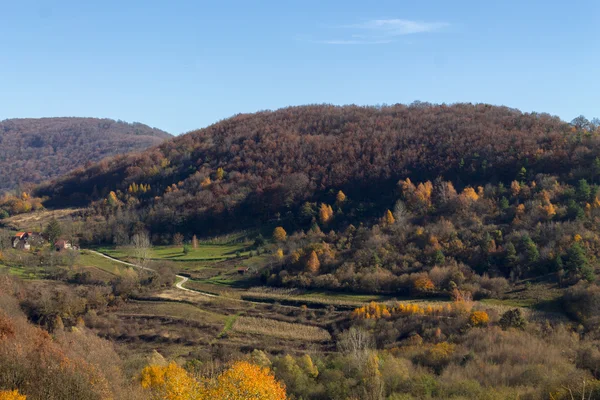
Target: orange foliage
11 395
375 310
206 182
340 198
479 318
313 263
325 213
423 284
470 193
170 383
279 234
20 204
388 218
417 196
515 188
244 381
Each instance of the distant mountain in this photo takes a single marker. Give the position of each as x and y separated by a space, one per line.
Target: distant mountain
35 150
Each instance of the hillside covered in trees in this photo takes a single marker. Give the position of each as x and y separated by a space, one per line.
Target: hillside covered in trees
266 165
34 150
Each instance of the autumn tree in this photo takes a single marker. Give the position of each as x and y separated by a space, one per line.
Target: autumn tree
220 174
340 198
279 234
112 200
423 284
325 213
313 264
244 381
11 395
479 318
388 218
279 254
469 193
170 382
515 188
206 182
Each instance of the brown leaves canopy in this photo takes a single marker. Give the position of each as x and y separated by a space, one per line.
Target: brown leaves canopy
275 161
33 150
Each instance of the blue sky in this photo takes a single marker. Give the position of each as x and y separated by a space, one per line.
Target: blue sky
182 65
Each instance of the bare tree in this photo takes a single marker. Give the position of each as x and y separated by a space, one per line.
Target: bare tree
358 343
141 247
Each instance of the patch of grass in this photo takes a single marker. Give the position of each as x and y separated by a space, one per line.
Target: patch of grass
228 324
173 309
23 273
87 259
204 252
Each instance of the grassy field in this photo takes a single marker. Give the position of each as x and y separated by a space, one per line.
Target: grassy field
87 259
23 273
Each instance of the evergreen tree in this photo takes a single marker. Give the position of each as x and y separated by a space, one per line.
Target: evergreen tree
584 191
504 204
530 250
522 175
577 263
53 231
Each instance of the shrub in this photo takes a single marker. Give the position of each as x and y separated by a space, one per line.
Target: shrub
512 319
479 318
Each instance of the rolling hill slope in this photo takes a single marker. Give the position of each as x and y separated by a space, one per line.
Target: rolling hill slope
34 150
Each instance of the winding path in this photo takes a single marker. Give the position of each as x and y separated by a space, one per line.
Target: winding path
179 284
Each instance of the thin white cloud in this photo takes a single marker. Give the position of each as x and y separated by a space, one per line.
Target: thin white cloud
381 31
399 27
341 41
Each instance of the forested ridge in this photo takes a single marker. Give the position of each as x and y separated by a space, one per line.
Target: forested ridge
33 150
256 167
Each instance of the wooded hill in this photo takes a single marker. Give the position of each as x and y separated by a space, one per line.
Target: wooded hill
257 167
34 150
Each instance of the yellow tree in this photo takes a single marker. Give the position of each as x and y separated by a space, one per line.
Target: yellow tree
244 381
325 213
470 193
170 382
479 318
515 188
279 254
112 199
340 198
279 234
313 264
388 218
11 395
220 173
